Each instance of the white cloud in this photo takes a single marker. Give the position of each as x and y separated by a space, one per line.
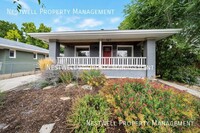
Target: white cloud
63 28
72 19
90 23
56 20
114 20
65 20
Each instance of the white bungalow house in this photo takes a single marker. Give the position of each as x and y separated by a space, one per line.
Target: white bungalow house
117 53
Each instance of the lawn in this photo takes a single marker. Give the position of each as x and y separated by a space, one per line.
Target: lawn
109 107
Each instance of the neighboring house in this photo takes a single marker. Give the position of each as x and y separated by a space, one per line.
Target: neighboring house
19 57
118 53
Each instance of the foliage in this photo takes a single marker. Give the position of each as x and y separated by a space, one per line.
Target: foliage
182 68
13 35
44 63
31 28
5 27
39 84
66 76
89 110
51 77
93 77
11 31
182 74
151 102
175 51
19 5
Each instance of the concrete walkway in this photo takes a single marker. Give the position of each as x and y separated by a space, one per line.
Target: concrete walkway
180 87
9 84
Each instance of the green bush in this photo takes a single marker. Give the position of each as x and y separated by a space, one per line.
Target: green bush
66 77
93 77
153 102
87 113
182 74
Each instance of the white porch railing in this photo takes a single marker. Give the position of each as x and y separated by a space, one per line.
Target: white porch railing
106 62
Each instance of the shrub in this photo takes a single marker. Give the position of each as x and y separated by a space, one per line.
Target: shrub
39 84
45 63
182 74
87 113
93 77
151 102
51 77
66 76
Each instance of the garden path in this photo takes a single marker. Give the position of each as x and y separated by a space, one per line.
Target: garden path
9 84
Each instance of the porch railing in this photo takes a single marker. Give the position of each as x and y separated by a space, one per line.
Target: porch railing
105 62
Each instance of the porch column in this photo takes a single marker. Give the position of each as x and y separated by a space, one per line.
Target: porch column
100 51
54 50
150 54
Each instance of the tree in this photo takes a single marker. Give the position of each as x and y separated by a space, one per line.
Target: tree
13 35
179 53
28 28
31 28
5 27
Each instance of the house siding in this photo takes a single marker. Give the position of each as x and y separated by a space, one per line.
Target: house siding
94 50
2 55
125 73
69 51
23 62
137 51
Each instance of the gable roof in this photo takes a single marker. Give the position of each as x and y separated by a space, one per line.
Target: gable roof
111 35
5 43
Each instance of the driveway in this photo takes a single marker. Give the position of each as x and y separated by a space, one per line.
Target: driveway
9 84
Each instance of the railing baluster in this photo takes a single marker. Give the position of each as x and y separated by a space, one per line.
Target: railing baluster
107 62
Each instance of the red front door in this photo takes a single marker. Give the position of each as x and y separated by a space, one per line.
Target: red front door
106 53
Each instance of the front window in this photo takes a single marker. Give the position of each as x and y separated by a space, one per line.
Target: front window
83 51
12 53
125 51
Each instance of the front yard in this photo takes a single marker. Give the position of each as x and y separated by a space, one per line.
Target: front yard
112 106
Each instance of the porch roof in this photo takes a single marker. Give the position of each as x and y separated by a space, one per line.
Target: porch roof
105 35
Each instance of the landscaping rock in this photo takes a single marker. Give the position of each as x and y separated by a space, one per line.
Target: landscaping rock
3 126
26 89
71 85
47 128
86 87
47 88
65 98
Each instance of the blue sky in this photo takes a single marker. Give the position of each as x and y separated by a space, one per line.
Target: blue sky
67 18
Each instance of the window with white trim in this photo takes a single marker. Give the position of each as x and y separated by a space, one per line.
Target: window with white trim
34 55
12 53
125 51
82 51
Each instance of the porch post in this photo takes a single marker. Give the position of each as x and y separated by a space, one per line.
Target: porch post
100 51
54 50
150 54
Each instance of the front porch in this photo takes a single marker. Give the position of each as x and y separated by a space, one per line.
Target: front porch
118 53
115 59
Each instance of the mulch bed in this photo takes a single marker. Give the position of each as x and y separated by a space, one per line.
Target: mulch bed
25 111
